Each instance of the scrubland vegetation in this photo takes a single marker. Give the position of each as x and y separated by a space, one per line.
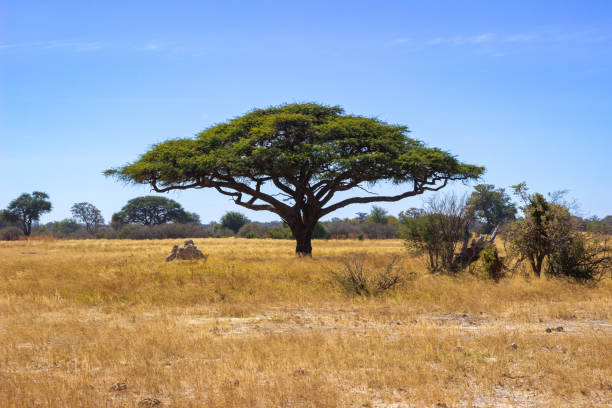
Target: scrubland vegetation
108 323
483 302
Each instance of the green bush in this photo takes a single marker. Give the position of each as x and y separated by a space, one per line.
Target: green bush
581 260
280 233
492 263
320 232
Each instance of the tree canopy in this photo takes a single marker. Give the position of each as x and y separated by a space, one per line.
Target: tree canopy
234 220
491 206
307 153
26 209
153 210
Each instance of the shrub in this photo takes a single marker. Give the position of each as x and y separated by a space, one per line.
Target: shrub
254 230
320 232
279 233
437 230
355 278
581 260
10 234
64 228
492 263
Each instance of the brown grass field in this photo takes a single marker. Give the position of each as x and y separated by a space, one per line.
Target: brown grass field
254 326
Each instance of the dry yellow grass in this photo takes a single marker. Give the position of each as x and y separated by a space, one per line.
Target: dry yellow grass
254 326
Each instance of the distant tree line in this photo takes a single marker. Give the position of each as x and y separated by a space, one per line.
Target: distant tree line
453 233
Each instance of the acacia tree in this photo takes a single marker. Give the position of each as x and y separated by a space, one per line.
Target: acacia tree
26 209
307 154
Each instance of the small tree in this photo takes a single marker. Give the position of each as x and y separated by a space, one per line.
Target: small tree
545 228
89 215
234 220
26 209
308 152
378 215
492 263
491 206
152 210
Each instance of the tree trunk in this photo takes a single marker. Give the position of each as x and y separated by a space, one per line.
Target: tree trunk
303 246
470 254
539 261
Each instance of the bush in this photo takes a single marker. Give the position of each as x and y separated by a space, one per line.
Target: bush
492 263
280 233
10 234
254 230
437 230
581 260
320 232
355 278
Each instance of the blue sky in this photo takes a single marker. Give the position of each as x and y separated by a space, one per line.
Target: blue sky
523 88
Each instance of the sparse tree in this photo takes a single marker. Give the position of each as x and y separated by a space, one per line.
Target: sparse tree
308 152
26 209
89 215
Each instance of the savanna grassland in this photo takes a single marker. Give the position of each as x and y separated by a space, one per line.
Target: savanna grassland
98 323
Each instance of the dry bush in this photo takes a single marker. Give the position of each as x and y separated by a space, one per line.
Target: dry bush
358 278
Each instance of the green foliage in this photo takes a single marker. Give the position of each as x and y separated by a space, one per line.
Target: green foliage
378 215
10 234
152 210
89 215
581 260
545 228
491 206
63 228
320 232
283 232
27 208
492 263
254 230
234 221
309 152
